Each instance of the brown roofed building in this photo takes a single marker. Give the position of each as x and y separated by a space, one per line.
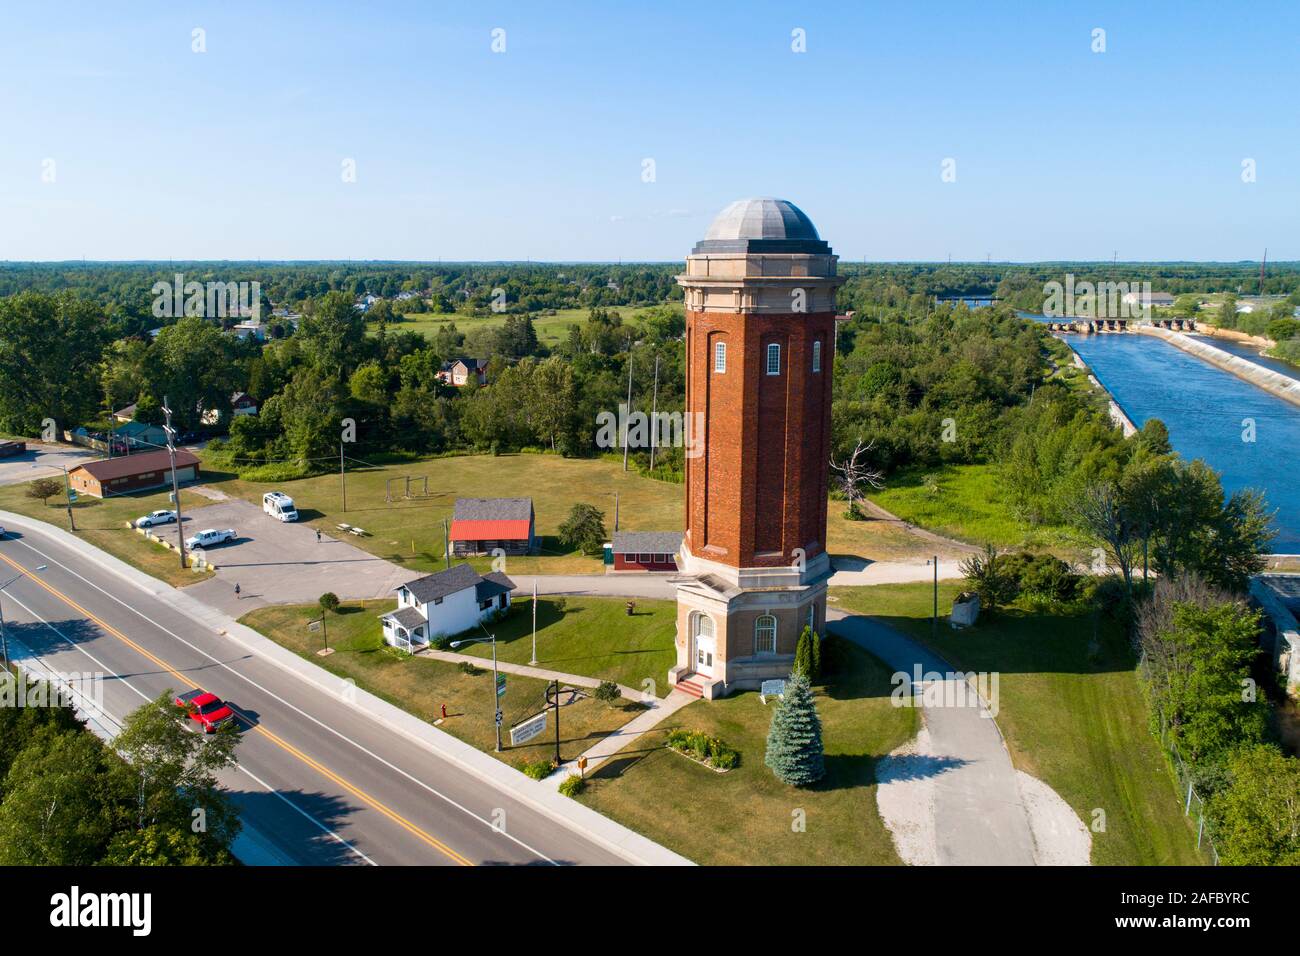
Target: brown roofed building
117 476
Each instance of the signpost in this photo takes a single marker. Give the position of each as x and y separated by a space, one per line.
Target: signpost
525 731
501 685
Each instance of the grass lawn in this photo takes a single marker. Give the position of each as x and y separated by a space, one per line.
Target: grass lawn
410 532
969 506
103 524
593 637
746 816
420 685
1071 711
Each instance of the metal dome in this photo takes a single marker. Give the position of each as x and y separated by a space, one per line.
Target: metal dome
762 219
762 225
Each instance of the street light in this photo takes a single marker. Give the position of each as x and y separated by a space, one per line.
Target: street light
4 637
496 701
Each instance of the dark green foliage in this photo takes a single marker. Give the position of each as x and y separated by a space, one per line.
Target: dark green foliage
808 654
794 739
1257 814
329 601
584 528
608 691
989 576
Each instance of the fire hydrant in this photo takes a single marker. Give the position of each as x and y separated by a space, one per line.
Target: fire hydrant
444 711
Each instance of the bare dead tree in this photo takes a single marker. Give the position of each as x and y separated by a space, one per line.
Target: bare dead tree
1102 512
853 475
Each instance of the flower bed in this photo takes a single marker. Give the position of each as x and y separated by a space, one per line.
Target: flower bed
704 749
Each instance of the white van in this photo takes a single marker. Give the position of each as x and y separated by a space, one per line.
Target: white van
279 506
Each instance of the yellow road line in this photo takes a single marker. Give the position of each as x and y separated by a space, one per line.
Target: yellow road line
279 742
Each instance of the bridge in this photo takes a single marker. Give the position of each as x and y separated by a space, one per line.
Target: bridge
1091 326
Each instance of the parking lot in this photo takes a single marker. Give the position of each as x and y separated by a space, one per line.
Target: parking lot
42 461
278 563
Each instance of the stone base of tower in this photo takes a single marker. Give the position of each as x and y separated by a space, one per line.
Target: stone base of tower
738 629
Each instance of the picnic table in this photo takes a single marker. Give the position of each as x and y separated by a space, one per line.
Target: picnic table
359 532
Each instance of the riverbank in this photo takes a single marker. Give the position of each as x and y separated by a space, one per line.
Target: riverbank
1275 383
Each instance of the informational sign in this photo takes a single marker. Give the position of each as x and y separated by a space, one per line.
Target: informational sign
72 496
501 685
526 731
313 625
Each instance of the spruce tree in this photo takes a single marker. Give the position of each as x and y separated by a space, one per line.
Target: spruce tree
794 740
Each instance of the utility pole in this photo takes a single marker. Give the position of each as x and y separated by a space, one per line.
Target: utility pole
67 497
627 417
934 618
446 542
176 490
616 511
557 723
654 411
534 660
343 477
1262 266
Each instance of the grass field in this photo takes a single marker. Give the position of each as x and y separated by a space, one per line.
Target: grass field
551 329
747 816
970 506
1071 711
593 637
420 685
103 524
410 532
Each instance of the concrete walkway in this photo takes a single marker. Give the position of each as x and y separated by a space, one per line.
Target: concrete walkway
524 670
979 815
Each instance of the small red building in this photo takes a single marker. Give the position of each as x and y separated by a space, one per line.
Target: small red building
646 550
482 525
116 476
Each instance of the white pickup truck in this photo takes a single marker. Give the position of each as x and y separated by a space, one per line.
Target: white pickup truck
210 537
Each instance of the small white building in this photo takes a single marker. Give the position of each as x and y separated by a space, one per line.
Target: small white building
443 604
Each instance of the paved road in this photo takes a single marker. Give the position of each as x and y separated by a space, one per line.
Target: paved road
980 818
321 782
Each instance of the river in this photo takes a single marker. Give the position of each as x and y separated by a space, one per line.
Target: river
1204 409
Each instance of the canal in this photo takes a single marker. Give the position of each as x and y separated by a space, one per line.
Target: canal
1205 410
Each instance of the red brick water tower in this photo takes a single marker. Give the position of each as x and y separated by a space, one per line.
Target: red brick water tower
760 332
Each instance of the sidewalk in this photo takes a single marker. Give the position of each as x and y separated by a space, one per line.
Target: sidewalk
524 670
542 797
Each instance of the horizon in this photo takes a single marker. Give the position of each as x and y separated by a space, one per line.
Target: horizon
587 135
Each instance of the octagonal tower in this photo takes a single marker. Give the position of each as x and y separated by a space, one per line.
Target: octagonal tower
760 335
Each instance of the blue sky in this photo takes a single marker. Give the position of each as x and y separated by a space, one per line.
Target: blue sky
537 152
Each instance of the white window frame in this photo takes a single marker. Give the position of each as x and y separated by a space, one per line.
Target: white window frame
764 627
817 355
773 352
719 357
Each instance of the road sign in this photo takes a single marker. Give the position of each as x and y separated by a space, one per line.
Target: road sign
499 717
72 496
532 727
501 685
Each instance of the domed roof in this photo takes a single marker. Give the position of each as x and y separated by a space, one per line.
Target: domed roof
762 225
763 218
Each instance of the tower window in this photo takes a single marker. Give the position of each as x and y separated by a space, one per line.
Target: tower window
774 359
765 635
720 357
817 356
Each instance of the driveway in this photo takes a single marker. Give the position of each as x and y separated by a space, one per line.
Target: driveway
42 461
278 563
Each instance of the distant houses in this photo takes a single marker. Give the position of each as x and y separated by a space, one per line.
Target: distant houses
483 525
1142 300
458 371
444 604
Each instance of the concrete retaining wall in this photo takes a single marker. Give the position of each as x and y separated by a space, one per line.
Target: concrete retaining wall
1275 383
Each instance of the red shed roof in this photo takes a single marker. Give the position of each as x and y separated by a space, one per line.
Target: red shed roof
515 529
128 466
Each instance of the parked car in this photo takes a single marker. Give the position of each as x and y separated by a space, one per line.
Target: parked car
155 517
207 710
210 537
279 506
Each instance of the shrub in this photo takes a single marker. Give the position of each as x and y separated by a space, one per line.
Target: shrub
704 748
573 786
440 642
274 473
987 576
329 601
608 691
468 667
538 769
1040 574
